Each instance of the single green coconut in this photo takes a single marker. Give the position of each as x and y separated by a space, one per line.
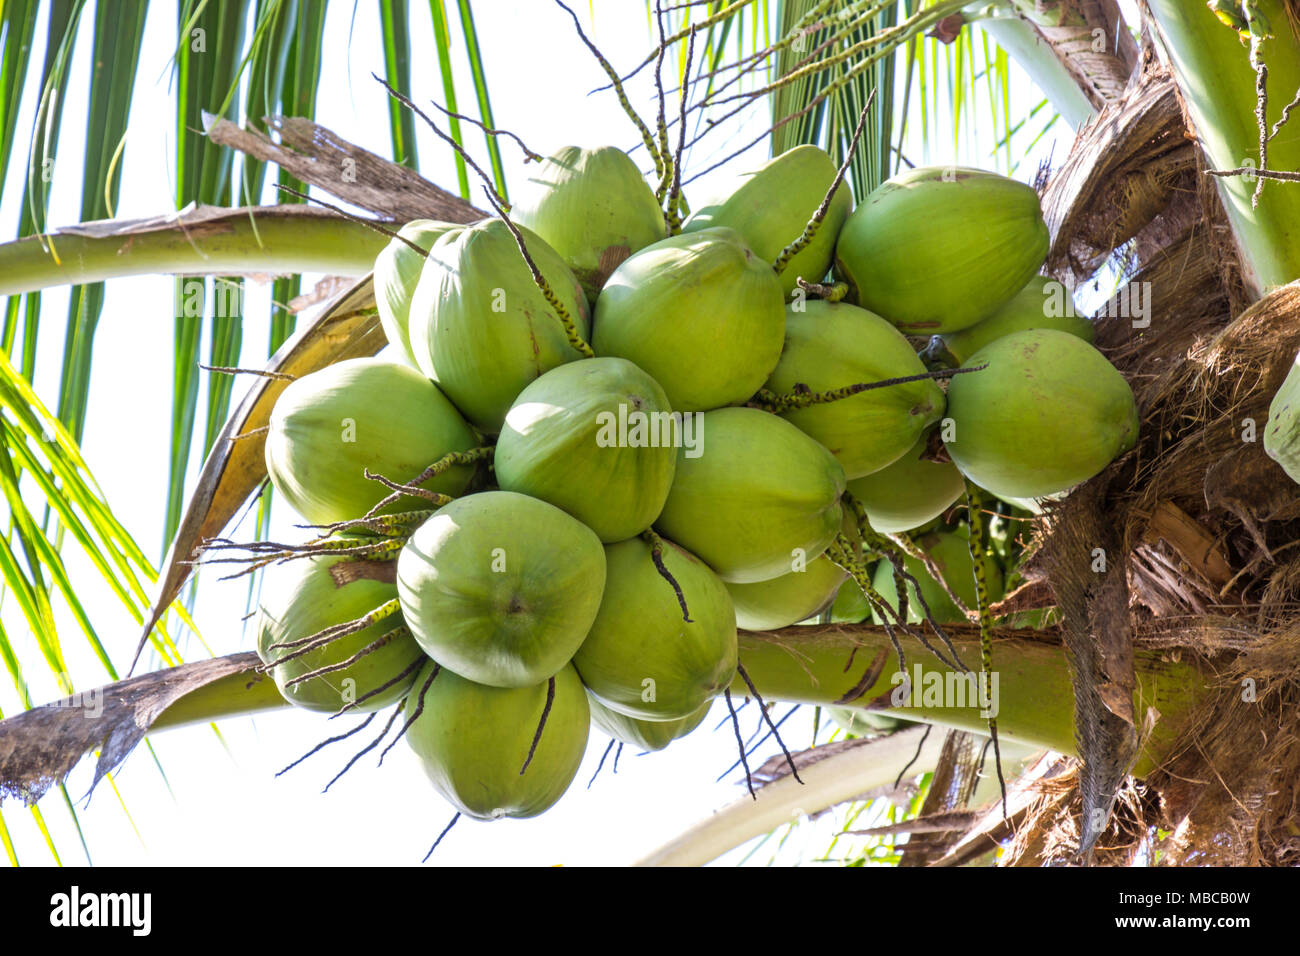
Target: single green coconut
951 552
787 599
329 427
774 204
1047 413
500 587
759 495
700 312
397 271
1282 434
648 735
805 590
474 740
641 657
595 438
1043 304
482 329
830 346
302 599
594 208
936 249
910 492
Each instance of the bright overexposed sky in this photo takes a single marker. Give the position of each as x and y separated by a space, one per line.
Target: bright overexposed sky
220 802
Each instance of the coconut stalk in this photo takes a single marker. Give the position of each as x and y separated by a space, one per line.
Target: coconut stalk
1035 696
203 241
1211 65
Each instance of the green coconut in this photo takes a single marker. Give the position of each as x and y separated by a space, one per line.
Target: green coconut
759 495
303 598
397 271
500 587
936 249
329 427
594 208
801 593
774 204
1282 434
788 599
648 735
482 329
850 605
473 740
831 345
595 438
951 552
910 492
641 658
700 312
1043 304
1047 413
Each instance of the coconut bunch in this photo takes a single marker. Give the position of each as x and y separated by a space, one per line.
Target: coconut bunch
601 448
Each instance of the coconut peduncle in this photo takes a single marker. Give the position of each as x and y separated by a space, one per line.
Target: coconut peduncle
445 831
661 127
600 766
395 525
617 85
264 373
419 709
437 497
370 648
835 292
272 552
976 518
681 35
570 330
367 748
673 211
819 215
305 645
657 556
841 555
411 668
541 724
331 740
889 549
460 151
803 397
529 155
443 464
744 759
767 718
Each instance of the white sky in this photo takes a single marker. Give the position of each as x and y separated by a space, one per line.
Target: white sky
224 806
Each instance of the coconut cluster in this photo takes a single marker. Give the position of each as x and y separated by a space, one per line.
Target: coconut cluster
599 449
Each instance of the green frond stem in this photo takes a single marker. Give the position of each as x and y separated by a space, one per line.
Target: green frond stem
286 240
1212 70
807 664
